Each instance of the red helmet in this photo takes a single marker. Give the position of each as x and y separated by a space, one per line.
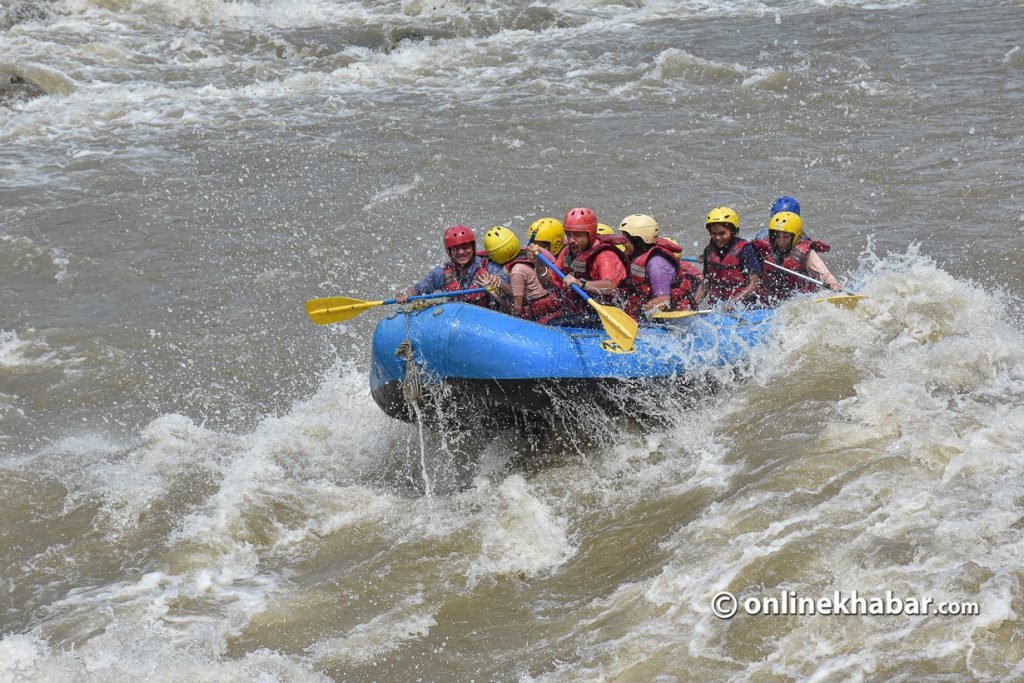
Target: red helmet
458 234
581 220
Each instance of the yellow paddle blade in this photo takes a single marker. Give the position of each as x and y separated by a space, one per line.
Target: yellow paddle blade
619 326
335 309
843 300
671 315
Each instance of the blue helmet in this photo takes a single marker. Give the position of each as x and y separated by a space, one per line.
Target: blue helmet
785 204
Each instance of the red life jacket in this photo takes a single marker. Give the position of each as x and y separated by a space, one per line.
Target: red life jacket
542 309
452 284
777 285
684 284
725 274
583 266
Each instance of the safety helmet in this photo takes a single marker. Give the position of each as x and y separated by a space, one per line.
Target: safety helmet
458 234
501 244
785 203
581 220
787 221
603 229
723 214
640 225
548 230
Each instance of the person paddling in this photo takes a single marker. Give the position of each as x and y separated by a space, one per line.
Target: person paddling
658 280
732 267
590 262
464 270
786 247
529 298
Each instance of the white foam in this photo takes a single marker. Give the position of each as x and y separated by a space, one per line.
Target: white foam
524 538
28 255
310 456
120 58
134 653
220 561
380 635
18 654
676 63
32 352
931 474
1015 57
216 14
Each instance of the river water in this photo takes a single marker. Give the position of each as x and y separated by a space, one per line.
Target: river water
197 485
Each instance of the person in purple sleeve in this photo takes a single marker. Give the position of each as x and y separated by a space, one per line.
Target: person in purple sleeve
465 269
658 280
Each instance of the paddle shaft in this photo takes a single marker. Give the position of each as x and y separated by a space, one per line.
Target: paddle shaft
337 309
561 276
782 268
803 277
437 295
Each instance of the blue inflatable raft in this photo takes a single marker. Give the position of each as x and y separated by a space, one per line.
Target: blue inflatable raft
455 356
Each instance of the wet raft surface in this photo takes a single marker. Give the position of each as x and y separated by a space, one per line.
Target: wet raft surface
469 360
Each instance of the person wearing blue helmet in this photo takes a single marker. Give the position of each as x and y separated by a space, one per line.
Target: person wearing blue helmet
783 203
787 255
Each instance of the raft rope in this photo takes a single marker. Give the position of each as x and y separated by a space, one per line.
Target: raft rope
412 387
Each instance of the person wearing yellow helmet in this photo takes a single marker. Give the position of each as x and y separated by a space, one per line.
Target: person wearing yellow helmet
529 298
548 233
464 270
786 247
658 280
732 266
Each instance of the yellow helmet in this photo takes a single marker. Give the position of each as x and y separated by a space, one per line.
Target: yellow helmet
640 225
787 221
548 230
603 229
501 244
723 214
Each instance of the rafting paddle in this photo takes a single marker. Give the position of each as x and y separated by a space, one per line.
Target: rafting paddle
671 315
845 299
619 326
336 309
